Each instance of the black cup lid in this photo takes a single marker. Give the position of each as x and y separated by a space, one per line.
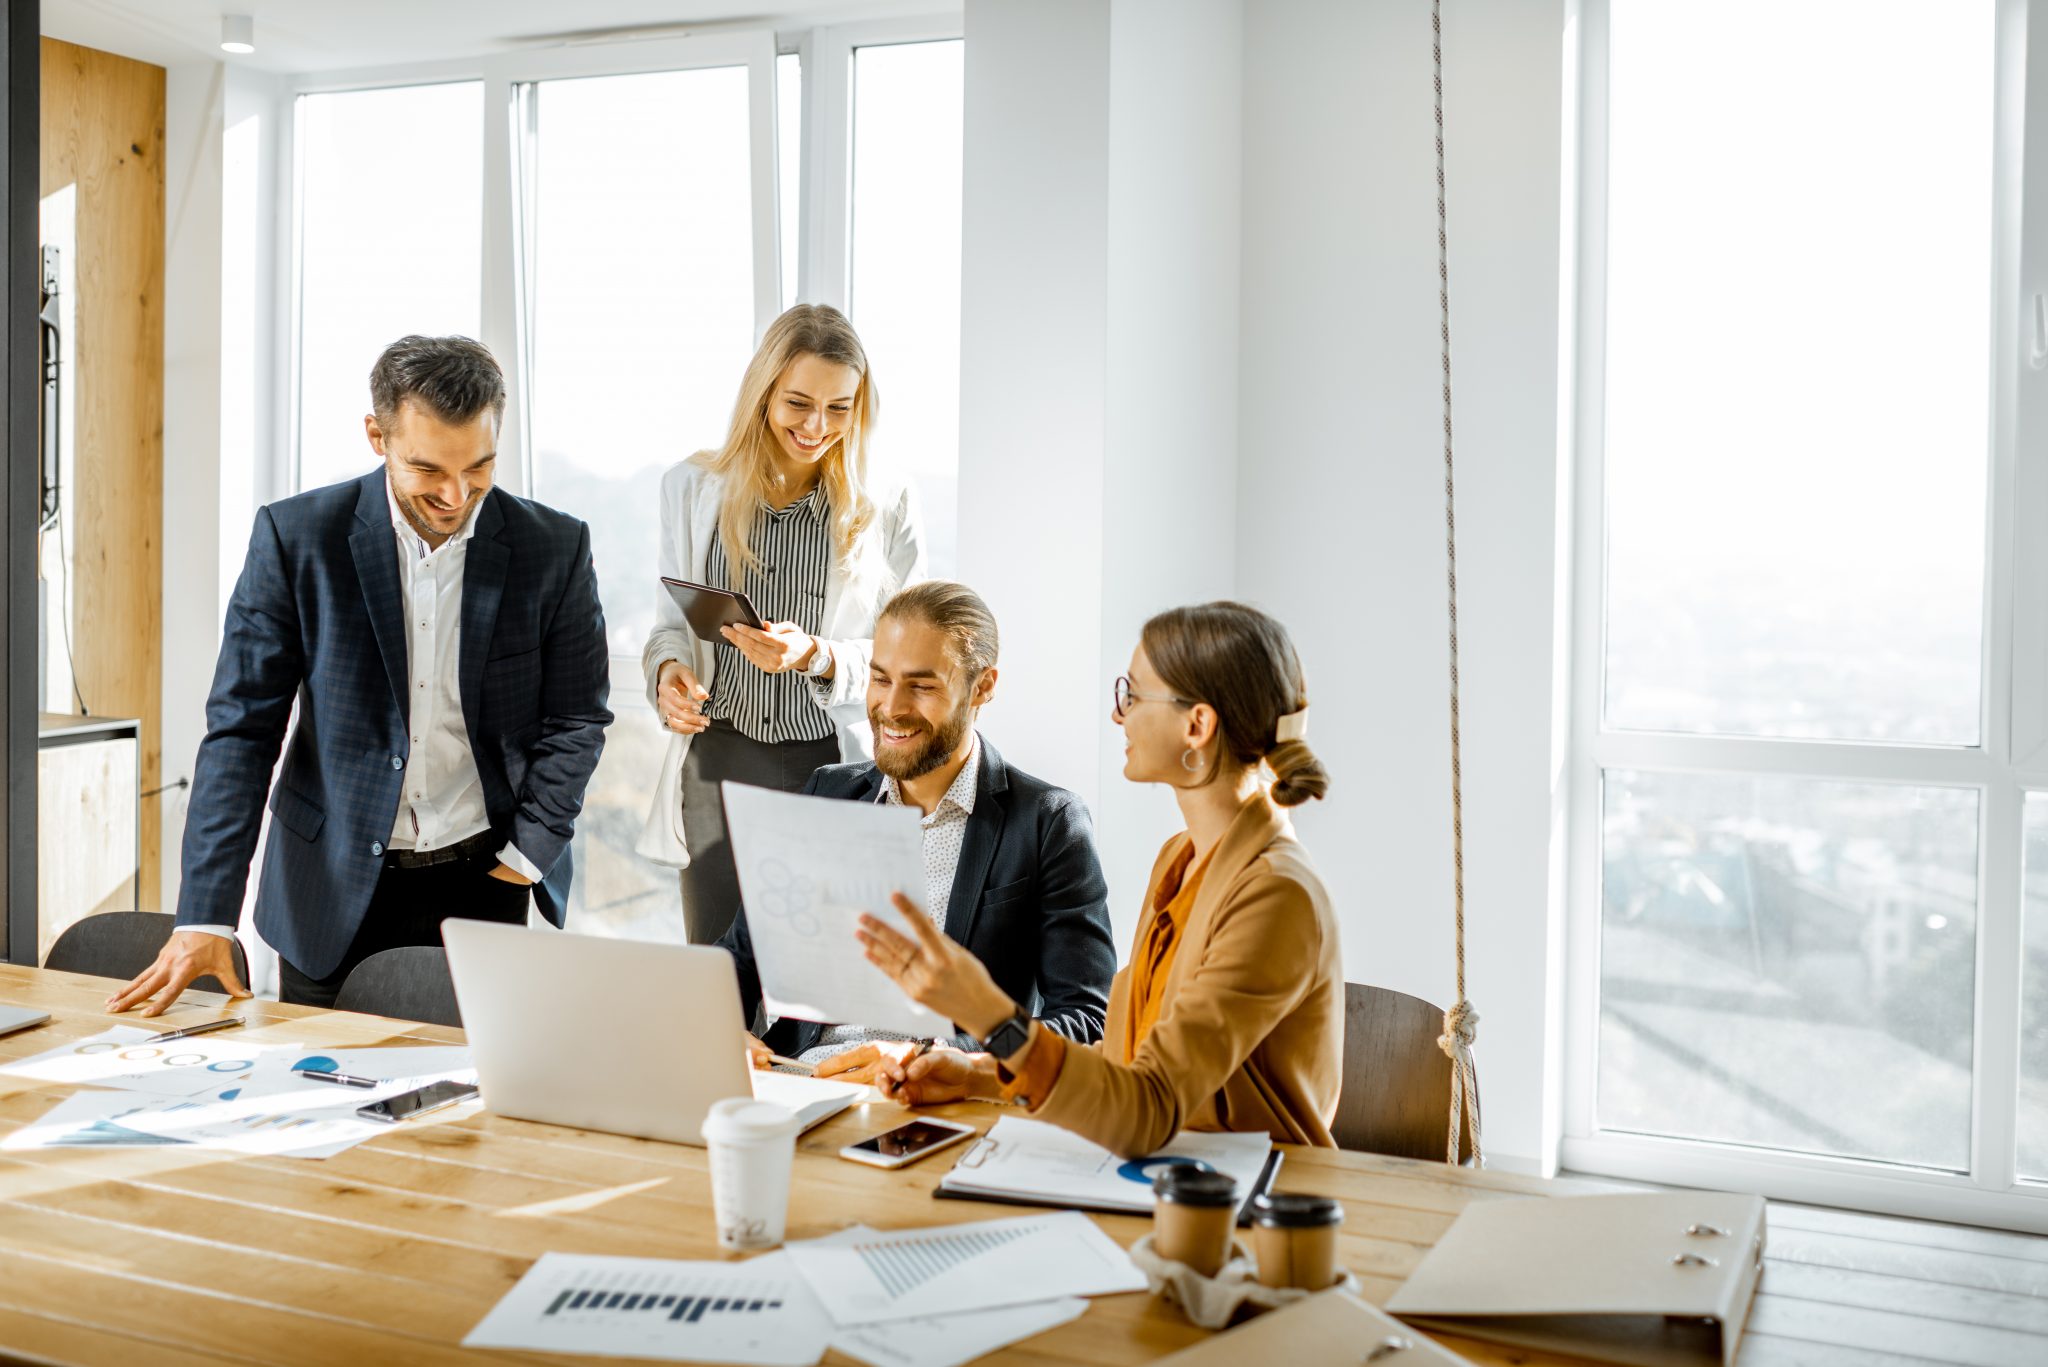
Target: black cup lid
1191 1186
1297 1212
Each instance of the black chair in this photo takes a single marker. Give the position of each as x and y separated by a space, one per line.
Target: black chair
1396 1094
411 984
120 944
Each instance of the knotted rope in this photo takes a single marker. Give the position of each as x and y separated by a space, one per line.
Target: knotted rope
1461 1022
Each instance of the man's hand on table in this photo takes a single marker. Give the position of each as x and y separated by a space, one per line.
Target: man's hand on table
187 955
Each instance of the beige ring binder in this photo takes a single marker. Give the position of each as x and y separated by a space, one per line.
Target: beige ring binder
1652 1280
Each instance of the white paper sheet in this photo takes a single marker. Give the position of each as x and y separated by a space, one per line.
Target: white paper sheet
126 1120
947 1340
808 867
904 1274
120 1057
812 1100
754 1312
1032 1160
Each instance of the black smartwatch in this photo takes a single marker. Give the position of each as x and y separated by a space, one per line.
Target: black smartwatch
1006 1039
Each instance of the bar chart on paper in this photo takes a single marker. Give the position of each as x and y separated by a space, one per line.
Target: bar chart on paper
753 1312
899 1274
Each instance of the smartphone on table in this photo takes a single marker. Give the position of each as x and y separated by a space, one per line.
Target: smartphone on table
907 1143
418 1102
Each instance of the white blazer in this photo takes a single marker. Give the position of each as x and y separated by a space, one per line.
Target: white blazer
690 496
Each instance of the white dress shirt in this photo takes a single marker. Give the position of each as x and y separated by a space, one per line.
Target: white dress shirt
945 832
442 801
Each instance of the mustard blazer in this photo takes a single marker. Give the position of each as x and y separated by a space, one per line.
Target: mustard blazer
1250 1034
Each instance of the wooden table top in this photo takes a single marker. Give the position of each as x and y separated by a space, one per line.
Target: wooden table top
392 1251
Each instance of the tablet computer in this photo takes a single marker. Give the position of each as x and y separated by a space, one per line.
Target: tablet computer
707 609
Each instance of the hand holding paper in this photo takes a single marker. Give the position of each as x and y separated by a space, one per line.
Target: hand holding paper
808 868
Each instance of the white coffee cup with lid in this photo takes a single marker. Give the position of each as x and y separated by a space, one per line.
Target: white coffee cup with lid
752 1146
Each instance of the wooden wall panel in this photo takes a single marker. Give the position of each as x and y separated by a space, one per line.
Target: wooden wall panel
103 131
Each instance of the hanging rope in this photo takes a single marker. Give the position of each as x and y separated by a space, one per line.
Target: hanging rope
1461 1022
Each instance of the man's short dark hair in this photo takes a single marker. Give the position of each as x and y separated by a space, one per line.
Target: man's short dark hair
955 610
454 378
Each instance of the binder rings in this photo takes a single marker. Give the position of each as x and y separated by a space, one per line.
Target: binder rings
1656 1280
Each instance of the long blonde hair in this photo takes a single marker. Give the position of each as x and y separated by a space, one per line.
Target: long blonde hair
745 464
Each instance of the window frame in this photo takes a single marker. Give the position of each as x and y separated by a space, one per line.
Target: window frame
503 289
825 218
2010 759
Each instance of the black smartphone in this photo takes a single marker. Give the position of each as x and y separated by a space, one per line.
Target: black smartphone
418 1102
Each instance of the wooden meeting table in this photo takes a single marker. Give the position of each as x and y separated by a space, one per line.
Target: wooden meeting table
392 1251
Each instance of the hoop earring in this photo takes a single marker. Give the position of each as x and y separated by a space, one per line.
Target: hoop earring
1191 754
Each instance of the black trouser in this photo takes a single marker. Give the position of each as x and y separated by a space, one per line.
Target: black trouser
711 885
407 909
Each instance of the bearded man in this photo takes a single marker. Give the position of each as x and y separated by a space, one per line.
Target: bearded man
1009 860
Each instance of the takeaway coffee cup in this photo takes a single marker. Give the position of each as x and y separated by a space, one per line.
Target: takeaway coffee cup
752 1146
1295 1240
1193 1216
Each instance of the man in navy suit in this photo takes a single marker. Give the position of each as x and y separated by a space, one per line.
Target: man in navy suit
1009 860
445 648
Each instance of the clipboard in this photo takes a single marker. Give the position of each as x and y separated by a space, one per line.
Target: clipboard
1332 1326
707 609
1651 1280
1269 1171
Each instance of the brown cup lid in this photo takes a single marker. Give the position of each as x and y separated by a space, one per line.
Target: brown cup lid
1186 1185
1296 1212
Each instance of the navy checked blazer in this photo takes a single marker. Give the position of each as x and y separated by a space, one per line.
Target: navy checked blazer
1029 901
317 618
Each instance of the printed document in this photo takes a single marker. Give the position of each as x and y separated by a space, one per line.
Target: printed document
808 867
908 1274
1030 1160
756 1312
947 1340
122 1057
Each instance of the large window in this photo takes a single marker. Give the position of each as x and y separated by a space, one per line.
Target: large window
376 262
641 322
1798 819
633 220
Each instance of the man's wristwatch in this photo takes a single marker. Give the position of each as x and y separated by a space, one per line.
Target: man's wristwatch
1008 1038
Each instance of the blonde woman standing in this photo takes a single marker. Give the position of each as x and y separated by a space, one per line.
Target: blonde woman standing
786 512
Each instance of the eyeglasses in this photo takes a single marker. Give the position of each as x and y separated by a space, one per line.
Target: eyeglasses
1123 695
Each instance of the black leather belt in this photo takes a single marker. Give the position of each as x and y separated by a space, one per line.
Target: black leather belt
480 843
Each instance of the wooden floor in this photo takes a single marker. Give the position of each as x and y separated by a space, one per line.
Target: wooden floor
1845 1288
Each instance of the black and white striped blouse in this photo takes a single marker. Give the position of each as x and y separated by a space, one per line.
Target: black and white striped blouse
794 547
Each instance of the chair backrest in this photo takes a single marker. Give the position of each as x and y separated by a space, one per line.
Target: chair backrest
1396 1095
411 983
120 944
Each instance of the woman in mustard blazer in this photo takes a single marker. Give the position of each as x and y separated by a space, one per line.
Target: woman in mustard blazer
1229 1014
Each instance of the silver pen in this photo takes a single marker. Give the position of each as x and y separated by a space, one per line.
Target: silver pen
190 1030
342 1079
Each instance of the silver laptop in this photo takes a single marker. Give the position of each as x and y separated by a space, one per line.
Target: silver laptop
13 1018
615 1035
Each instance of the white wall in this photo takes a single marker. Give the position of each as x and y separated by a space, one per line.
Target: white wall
1170 475
1219 373
1341 519
1098 367
1033 379
222 397
195 543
